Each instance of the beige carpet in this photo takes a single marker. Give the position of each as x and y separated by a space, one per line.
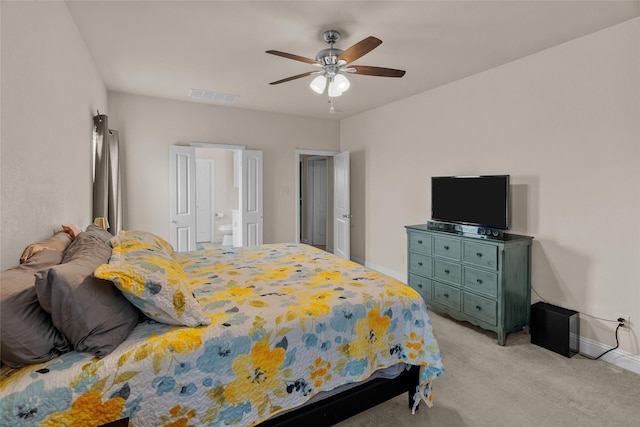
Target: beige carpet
519 384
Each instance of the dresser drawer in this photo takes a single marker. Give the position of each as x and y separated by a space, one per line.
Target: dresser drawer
447 271
481 308
483 281
480 254
420 242
446 295
420 264
421 284
447 248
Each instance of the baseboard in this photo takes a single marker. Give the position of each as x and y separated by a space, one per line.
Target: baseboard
618 358
383 270
358 260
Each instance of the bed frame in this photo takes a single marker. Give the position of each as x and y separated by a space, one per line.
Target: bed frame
338 408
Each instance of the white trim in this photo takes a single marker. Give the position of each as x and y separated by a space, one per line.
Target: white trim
316 152
619 358
215 145
398 276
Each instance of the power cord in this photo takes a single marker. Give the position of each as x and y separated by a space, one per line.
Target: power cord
621 323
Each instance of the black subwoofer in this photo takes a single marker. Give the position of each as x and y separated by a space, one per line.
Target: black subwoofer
555 328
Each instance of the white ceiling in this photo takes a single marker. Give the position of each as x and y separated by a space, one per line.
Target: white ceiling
163 49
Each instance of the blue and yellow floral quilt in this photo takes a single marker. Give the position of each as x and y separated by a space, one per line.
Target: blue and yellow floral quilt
287 321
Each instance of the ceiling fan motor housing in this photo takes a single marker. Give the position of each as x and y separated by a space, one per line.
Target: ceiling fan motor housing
328 56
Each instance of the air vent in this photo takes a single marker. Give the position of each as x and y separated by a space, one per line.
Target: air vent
212 96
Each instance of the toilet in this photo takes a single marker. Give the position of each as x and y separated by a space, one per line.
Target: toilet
227 234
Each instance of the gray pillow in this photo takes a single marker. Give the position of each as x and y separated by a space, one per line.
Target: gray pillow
28 334
91 312
94 234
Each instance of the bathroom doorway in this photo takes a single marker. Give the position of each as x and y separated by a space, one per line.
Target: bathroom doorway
224 193
239 205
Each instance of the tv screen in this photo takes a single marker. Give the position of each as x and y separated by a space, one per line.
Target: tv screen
474 200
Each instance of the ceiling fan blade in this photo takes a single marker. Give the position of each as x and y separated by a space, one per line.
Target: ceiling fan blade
288 79
359 49
294 57
377 71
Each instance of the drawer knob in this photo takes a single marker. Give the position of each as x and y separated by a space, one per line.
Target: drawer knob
419 242
479 254
478 308
446 271
420 264
446 295
420 286
479 281
446 248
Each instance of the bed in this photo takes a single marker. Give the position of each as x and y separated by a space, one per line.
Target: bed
282 334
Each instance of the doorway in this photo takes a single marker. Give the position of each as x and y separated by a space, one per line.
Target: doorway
338 233
246 167
316 201
224 191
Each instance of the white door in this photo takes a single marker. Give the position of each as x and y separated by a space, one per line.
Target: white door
182 173
251 227
204 187
341 206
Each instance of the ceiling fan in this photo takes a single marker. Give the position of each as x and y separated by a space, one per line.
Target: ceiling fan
334 63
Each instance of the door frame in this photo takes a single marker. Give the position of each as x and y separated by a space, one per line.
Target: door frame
300 152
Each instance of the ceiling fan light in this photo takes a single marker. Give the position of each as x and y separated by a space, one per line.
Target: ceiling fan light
333 89
342 82
318 84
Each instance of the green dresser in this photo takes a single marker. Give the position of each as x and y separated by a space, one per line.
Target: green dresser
484 281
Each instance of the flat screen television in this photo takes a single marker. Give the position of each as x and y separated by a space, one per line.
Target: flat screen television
471 200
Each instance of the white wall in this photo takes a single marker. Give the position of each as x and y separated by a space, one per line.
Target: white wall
564 123
148 126
51 90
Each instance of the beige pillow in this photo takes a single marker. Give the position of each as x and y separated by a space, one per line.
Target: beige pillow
58 242
72 230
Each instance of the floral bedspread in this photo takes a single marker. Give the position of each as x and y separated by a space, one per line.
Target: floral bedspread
288 321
